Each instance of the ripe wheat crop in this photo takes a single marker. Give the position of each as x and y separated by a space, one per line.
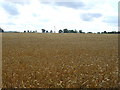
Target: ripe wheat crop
34 60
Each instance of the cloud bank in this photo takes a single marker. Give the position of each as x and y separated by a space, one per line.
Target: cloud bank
88 15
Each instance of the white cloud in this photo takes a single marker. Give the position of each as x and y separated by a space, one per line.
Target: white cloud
34 14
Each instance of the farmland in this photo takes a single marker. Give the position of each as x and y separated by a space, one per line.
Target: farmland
51 60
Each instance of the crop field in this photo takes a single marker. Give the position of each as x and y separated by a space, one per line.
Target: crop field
52 60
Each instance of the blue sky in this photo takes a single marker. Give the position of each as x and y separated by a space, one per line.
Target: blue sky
86 15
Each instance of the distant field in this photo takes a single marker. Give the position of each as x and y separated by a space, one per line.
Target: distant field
35 60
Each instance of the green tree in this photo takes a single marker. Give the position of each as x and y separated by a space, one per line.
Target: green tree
65 30
51 31
71 31
105 32
75 31
80 31
60 31
43 30
1 30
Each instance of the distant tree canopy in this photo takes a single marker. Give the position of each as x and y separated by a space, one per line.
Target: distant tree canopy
34 31
105 32
80 31
68 31
43 30
51 31
89 32
60 31
1 30
98 32
46 31
30 31
65 30
71 31
75 31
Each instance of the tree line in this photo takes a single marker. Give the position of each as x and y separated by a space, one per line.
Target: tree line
1 30
62 31
80 31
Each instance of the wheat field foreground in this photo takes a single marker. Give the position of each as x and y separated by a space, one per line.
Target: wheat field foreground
35 60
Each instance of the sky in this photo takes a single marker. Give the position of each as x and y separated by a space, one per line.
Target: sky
85 15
